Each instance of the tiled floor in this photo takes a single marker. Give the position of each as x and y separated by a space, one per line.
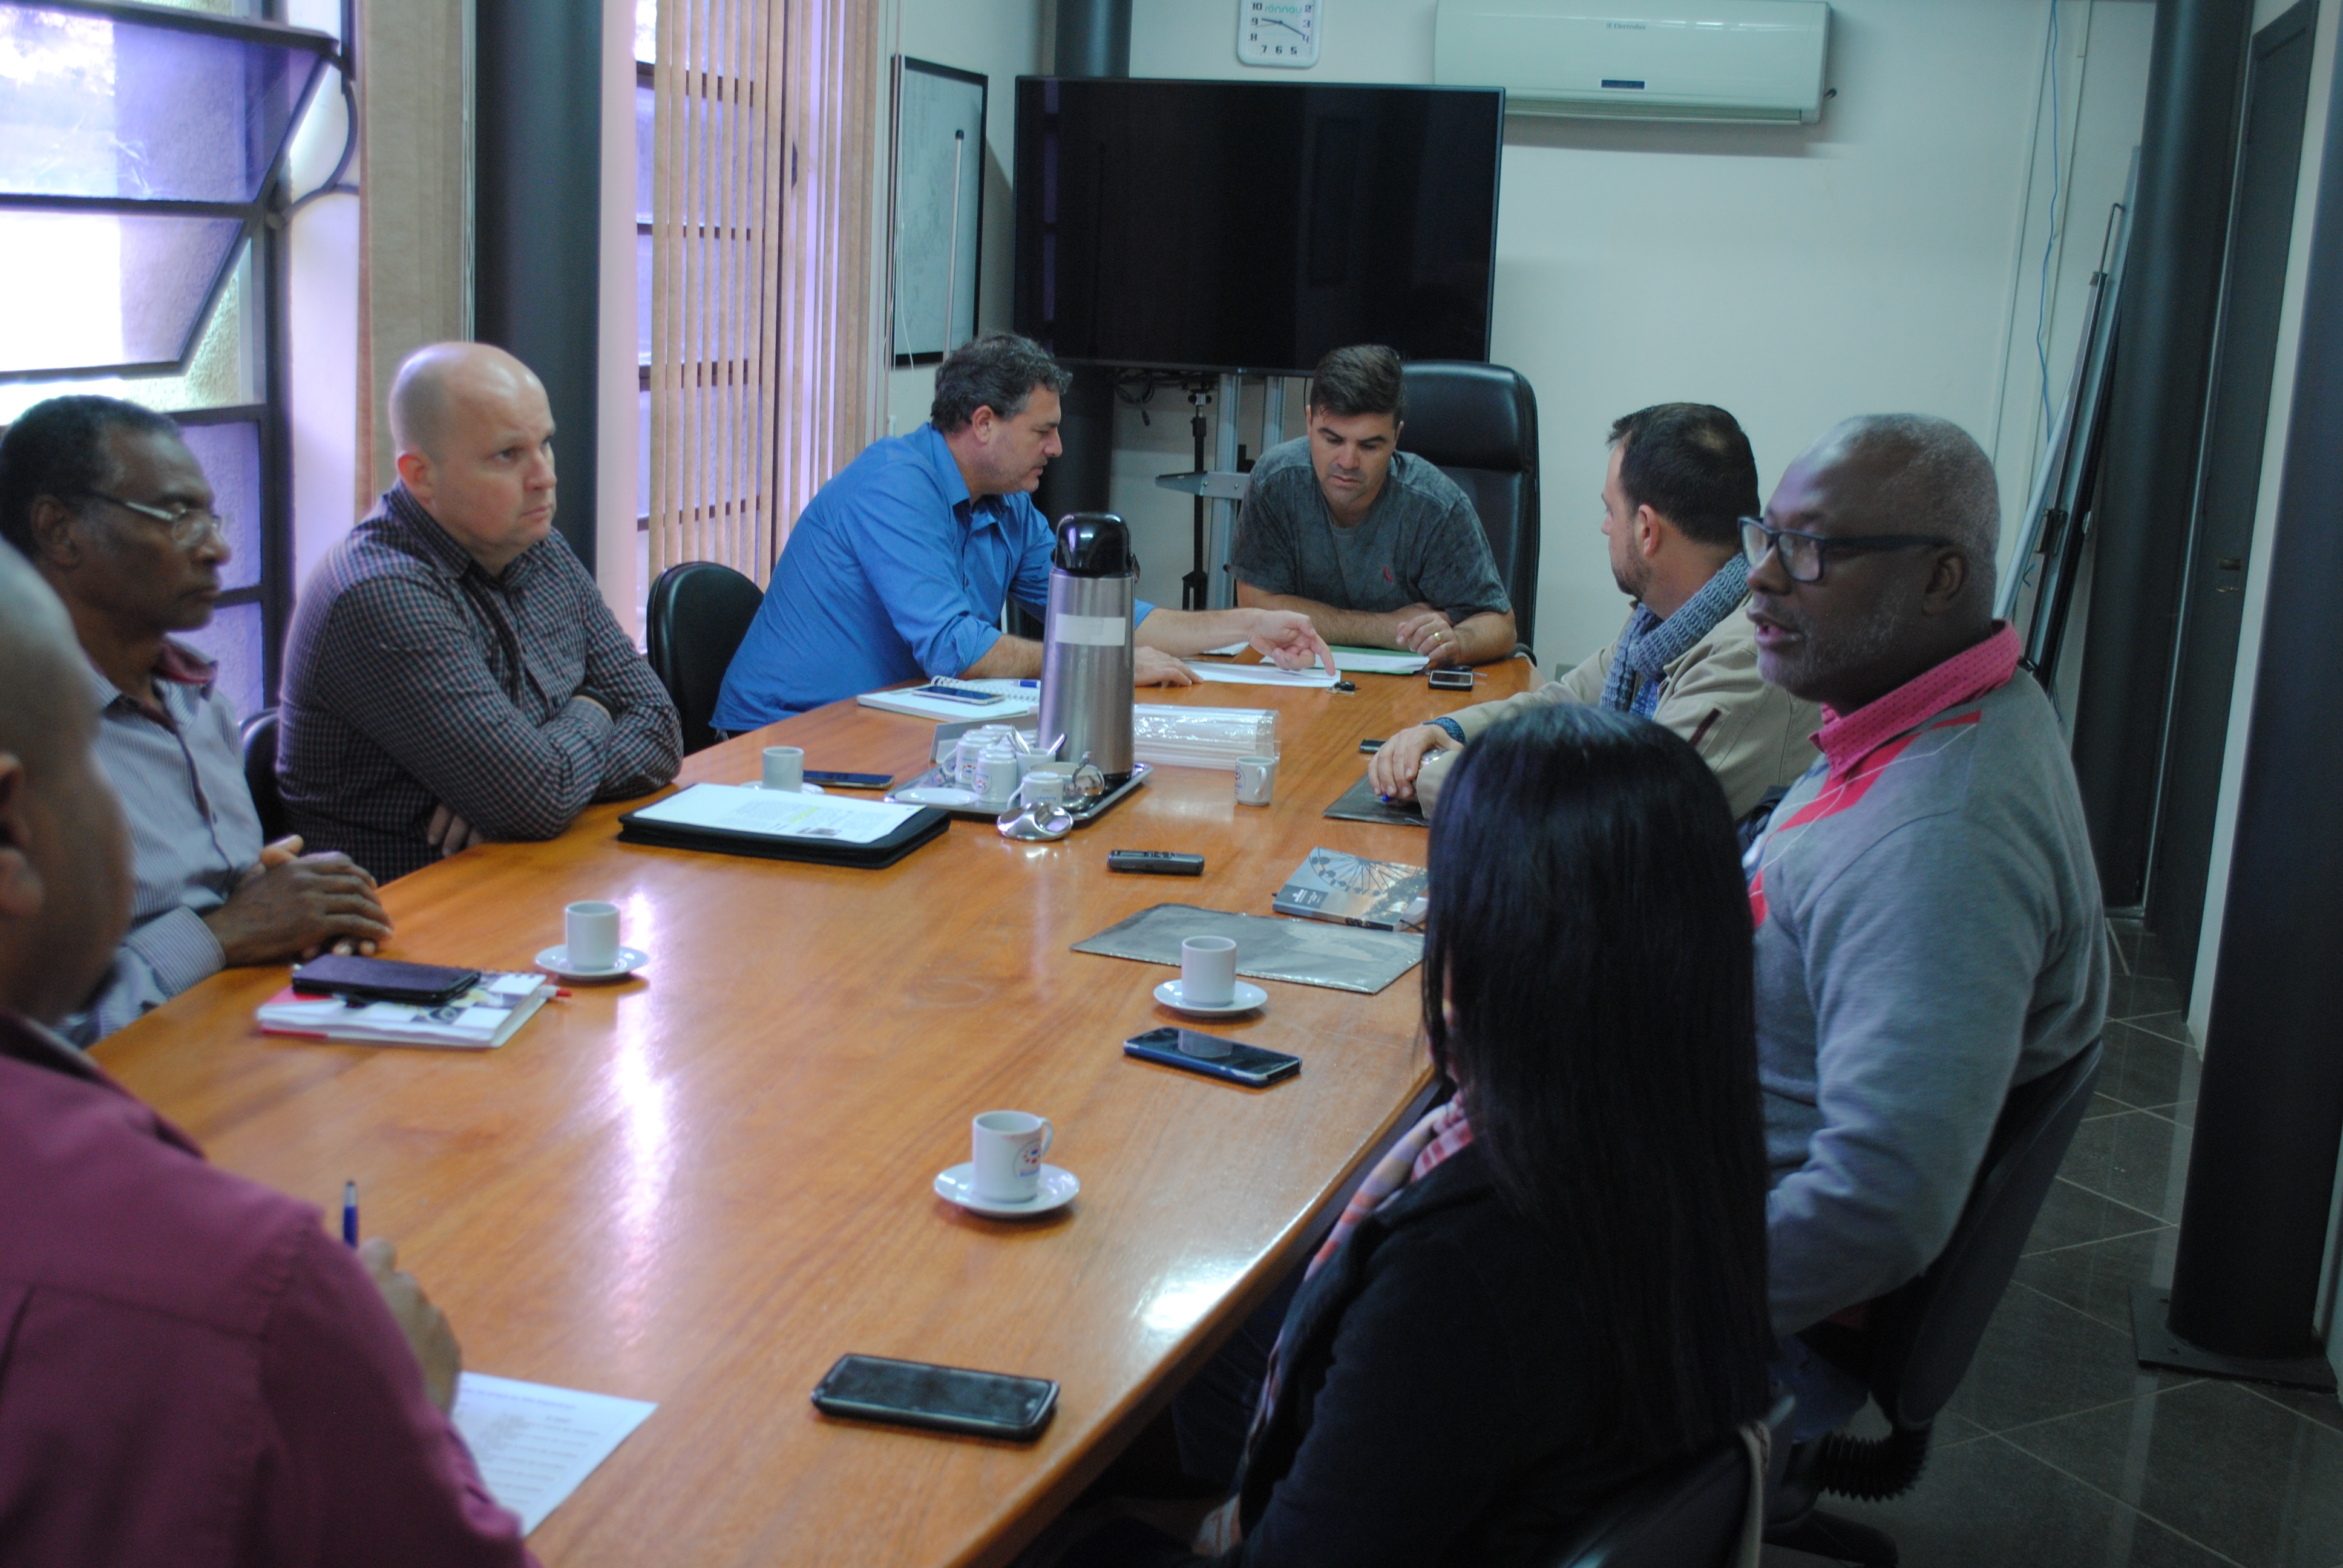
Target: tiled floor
2059 1450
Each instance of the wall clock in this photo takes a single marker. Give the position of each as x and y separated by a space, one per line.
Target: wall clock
1279 33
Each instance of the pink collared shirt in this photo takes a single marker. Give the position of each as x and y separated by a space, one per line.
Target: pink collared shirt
1845 739
191 1371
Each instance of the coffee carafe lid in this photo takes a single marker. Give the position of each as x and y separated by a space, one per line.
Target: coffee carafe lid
1092 545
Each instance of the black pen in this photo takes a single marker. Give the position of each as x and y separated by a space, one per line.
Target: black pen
350 1213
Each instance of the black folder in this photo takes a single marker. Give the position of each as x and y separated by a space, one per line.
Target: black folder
927 824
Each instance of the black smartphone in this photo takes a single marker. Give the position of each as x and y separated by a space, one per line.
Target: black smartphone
948 1399
382 979
1450 680
1212 1056
850 780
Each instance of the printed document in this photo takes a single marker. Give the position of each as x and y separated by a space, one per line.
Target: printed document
535 1443
744 809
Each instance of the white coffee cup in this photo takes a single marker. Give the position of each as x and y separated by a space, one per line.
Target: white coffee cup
996 779
591 929
784 766
1042 786
1005 1148
1256 780
1207 971
967 761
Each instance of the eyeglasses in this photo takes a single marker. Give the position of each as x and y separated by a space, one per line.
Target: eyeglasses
1801 554
187 524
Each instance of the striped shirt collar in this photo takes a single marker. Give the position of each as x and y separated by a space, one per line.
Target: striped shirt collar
1845 739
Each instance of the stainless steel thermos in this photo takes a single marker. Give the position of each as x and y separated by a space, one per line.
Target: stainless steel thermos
1086 656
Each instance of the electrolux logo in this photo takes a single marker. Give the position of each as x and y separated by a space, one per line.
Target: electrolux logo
1626 26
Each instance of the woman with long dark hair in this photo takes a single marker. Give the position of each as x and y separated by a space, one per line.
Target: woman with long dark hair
1556 1282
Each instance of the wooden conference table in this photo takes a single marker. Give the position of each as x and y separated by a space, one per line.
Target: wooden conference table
704 1185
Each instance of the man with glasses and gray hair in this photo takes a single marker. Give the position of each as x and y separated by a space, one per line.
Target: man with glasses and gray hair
1928 928
105 500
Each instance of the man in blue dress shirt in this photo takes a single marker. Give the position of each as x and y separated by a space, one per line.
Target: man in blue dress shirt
900 566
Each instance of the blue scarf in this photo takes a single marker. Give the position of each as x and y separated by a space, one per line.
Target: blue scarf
1649 645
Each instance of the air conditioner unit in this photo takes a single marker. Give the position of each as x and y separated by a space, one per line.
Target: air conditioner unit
1758 60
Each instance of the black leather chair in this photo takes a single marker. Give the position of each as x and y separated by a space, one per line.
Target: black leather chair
1688 1516
259 736
1922 1338
695 619
1479 424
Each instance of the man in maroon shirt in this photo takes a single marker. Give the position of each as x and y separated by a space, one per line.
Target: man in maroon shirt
191 1371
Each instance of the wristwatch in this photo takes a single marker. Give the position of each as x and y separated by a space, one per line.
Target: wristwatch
1455 730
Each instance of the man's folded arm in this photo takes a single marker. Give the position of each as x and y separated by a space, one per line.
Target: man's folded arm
400 663
646 741
1920 1006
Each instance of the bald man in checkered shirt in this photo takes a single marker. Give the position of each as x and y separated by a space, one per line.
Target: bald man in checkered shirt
453 674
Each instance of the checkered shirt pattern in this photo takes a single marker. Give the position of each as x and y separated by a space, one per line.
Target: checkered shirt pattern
415 680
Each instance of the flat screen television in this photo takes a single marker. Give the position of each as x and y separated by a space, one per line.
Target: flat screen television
1253 225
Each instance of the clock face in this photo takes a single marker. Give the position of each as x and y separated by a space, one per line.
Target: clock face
1279 32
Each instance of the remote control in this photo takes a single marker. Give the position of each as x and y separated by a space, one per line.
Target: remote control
1155 862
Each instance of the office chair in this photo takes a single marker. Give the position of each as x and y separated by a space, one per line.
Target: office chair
1478 424
693 623
1689 1515
259 736
1924 1335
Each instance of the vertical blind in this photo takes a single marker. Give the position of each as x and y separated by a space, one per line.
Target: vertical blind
764 377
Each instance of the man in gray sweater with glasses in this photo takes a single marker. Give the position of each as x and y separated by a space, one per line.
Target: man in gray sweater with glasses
1928 926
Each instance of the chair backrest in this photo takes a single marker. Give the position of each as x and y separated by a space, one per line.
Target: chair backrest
1926 1334
259 736
694 621
1478 423
1688 1516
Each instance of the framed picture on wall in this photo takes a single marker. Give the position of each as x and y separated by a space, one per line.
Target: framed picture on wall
936 212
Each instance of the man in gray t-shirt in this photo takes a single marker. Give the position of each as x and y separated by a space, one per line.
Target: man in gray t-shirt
1379 549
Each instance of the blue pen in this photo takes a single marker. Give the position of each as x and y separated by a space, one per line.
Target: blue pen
350 1213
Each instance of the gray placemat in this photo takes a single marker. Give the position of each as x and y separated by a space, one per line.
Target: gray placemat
1359 803
1305 952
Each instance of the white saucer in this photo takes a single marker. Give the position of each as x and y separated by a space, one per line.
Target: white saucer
937 795
1247 998
555 961
803 789
959 1184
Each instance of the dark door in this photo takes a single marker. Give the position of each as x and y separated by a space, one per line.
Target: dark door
2261 227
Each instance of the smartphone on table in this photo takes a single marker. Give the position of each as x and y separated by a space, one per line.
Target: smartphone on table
356 978
1193 1050
946 1399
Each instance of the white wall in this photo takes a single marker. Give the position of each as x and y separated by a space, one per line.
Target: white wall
1881 260
617 461
1001 39
322 323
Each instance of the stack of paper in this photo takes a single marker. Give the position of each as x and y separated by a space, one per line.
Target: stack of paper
1263 675
480 1019
743 809
1379 660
